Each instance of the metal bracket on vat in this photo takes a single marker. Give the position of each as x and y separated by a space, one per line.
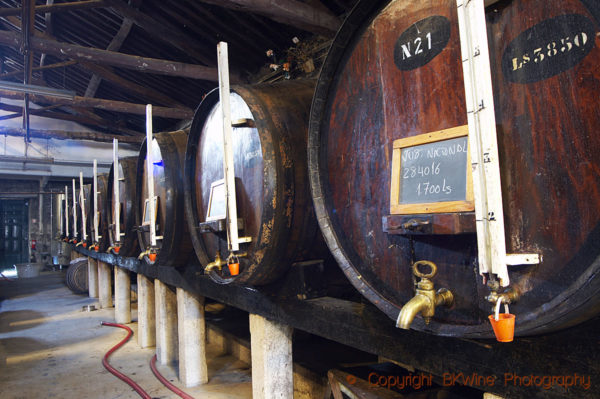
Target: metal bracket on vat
244 122
430 224
220 226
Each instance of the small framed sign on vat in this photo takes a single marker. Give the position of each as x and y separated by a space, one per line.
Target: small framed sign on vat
431 173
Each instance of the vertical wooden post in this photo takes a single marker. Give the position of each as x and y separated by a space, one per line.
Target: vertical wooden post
146 312
192 338
271 348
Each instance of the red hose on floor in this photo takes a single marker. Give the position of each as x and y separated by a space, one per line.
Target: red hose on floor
114 371
165 382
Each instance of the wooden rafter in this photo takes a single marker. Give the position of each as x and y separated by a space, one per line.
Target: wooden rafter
292 12
162 31
142 64
28 27
146 92
65 135
40 68
114 45
45 112
49 22
59 7
107 105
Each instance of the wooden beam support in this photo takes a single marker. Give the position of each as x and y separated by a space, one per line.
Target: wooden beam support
142 64
59 7
11 116
45 113
147 93
49 22
292 12
28 27
114 45
107 105
40 68
163 31
65 135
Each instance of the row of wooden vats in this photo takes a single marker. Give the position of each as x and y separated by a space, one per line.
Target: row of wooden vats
394 72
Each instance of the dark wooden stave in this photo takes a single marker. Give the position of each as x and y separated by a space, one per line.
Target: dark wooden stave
560 222
272 187
129 245
175 248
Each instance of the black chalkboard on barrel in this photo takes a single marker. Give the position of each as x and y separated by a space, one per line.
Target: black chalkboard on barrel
430 173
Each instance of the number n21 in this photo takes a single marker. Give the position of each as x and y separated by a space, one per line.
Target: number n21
406 51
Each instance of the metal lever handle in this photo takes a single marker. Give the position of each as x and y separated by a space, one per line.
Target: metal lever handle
415 224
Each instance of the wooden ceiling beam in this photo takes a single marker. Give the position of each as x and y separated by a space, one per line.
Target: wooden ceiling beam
66 135
292 12
114 45
142 64
164 31
107 105
40 68
46 113
59 7
146 92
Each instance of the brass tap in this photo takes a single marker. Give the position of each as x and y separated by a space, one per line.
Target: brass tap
426 299
507 297
217 263
146 252
78 244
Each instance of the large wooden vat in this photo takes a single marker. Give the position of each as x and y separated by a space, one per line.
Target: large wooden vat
168 151
273 198
547 109
128 242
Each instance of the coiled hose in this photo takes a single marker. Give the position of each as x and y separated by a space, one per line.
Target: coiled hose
114 371
166 382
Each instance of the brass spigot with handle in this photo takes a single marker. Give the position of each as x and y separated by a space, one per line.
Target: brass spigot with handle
426 298
218 263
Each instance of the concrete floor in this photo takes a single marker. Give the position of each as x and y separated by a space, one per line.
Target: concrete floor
49 348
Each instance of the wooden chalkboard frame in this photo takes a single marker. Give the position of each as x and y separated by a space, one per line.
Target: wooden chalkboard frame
396 208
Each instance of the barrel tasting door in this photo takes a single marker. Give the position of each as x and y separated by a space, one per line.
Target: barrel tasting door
13 232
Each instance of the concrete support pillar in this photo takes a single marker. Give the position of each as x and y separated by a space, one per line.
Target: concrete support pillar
192 339
104 285
146 312
93 277
271 349
166 323
122 296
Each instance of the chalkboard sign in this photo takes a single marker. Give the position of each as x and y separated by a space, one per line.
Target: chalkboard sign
431 173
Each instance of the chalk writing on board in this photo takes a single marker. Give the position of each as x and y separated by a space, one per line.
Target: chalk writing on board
434 172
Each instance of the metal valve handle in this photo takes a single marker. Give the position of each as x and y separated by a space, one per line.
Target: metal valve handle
418 273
